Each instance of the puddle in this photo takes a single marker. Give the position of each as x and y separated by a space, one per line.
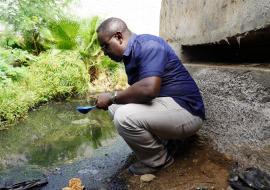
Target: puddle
54 134
60 142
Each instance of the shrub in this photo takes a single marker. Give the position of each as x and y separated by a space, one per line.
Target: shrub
54 75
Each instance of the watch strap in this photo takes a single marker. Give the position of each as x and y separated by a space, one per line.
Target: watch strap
114 95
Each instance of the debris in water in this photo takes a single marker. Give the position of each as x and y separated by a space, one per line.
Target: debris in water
74 184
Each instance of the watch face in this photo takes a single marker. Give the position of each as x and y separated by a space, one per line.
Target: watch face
114 97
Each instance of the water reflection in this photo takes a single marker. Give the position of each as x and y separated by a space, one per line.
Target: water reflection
54 134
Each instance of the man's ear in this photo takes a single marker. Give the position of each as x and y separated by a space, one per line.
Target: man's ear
119 37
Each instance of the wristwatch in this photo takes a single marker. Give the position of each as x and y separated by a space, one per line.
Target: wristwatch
114 95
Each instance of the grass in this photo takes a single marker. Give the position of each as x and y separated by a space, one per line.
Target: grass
108 82
53 75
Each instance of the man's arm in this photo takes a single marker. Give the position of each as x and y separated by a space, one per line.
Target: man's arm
142 91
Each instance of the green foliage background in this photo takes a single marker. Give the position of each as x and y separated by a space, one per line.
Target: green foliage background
52 75
45 54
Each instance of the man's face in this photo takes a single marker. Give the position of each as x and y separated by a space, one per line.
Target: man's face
111 45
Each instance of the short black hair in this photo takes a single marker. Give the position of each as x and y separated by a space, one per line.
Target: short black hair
112 25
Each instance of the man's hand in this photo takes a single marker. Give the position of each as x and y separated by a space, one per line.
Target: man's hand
104 100
140 92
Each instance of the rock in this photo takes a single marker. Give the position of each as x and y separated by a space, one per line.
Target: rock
228 157
81 121
85 121
201 188
67 188
147 177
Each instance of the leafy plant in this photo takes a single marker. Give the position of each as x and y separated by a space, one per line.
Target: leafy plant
9 72
108 65
16 57
90 50
54 74
28 14
27 17
69 56
69 34
64 33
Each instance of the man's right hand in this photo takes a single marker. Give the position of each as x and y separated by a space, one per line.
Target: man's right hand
104 100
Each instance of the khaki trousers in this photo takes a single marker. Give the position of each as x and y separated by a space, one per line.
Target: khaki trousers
143 126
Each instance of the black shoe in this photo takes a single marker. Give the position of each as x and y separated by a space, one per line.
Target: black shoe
173 146
139 168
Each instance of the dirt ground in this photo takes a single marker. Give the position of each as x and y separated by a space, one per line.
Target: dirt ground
197 167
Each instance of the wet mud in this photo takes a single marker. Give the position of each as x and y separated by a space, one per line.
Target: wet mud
197 166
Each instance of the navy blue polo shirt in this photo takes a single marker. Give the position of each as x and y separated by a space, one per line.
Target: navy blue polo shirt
147 55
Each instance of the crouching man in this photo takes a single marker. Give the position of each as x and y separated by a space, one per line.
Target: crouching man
162 102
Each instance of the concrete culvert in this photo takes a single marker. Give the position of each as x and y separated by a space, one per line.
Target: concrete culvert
225 46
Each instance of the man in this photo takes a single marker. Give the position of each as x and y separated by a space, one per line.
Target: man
162 102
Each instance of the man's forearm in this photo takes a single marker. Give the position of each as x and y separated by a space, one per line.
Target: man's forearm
141 92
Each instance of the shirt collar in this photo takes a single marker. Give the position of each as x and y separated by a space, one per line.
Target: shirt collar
129 45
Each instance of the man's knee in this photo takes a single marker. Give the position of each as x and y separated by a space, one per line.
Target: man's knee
123 121
119 121
112 109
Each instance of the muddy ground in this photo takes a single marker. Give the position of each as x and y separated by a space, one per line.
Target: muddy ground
196 166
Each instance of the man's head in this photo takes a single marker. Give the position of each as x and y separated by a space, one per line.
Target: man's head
113 35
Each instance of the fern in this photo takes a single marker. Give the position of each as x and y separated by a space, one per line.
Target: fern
89 44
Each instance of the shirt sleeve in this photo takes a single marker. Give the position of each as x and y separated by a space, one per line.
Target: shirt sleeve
151 59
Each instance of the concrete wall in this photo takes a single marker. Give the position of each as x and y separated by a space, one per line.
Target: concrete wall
237 98
205 21
193 22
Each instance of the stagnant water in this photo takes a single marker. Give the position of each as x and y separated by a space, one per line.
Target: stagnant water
55 135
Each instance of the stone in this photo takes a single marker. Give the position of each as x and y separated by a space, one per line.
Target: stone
147 178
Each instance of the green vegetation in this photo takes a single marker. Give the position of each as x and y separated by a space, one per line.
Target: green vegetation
52 75
45 55
26 18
